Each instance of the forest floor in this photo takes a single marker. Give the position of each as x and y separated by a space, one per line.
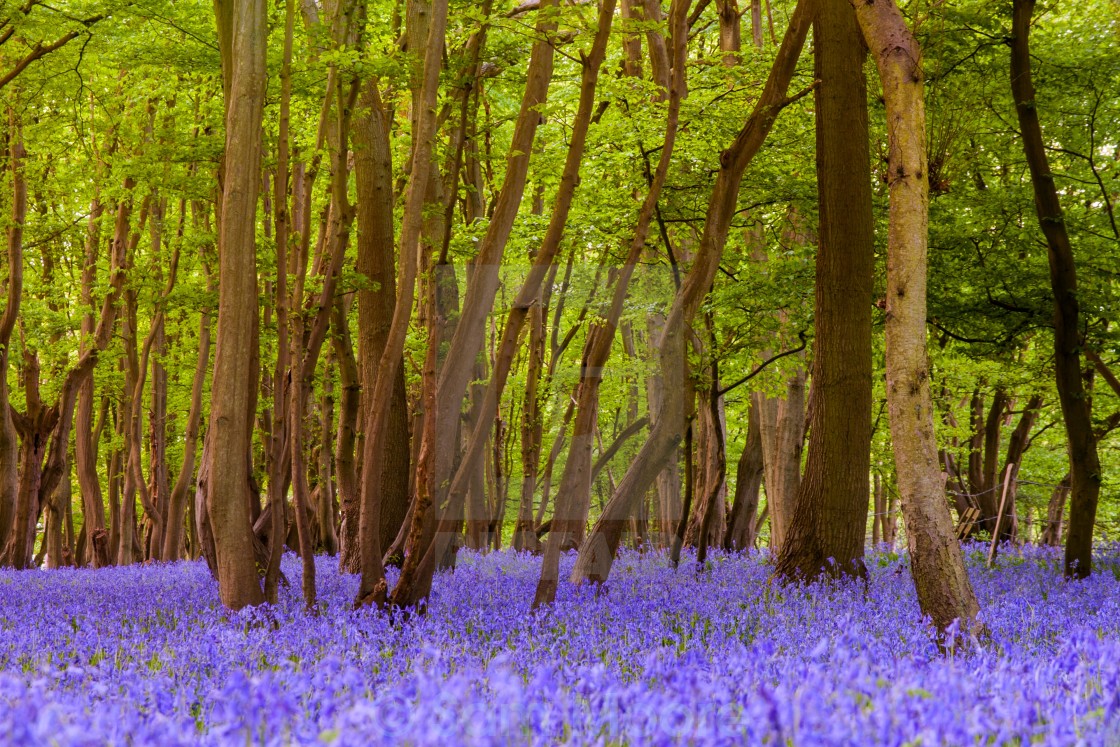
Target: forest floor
146 655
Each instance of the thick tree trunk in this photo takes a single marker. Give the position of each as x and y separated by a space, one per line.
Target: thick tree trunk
936 562
829 522
1084 463
227 479
373 172
597 553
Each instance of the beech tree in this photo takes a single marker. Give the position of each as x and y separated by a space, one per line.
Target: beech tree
396 281
241 34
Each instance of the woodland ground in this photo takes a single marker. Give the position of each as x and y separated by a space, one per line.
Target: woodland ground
146 655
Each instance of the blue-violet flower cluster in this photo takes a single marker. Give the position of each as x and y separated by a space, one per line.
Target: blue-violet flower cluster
147 655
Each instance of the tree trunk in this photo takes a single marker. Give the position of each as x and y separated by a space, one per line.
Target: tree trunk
748 478
373 588
597 553
1084 463
227 479
9 438
829 523
439 440
669 479
781 426
524 538
328 537
936 562
1052 534
573 499
184 483
1016 447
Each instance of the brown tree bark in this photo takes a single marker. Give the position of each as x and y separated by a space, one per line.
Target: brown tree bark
227 479
826 531
48 427
573 499
373 588
440 434
85 445
1017 447
598 551
184 483
668 482
375 242
936 562
9 438
1052 533
524 538
1084 463
324 507
781 425
748 479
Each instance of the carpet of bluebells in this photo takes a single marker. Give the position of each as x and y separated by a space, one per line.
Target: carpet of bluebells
146 655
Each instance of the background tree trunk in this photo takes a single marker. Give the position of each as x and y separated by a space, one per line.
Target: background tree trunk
1084 463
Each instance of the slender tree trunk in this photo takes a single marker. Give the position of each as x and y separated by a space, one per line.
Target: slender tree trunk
781 425
9 438
1017 447
1084 463
597 553
184 483
349 407
829 523
524 538
936 562
669 479
748 478
438 445
1052 534
227 479
328 537
573 498
373 588
85 445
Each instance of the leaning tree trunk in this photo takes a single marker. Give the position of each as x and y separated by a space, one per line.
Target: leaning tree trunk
936 561
227 487
573 499
437 451
526 297
373 588
829 519
597 553
1084 463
